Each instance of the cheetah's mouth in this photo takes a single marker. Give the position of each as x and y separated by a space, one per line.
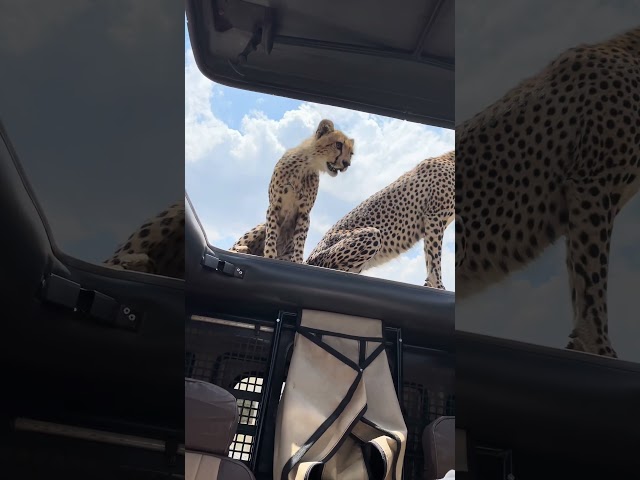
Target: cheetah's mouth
333 171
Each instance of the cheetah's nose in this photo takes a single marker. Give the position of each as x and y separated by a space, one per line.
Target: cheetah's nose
346 163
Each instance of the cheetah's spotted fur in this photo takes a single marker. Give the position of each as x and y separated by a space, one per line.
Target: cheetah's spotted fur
559 155
157 246
292 194
418 205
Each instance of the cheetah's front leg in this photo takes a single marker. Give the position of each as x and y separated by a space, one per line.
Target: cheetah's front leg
271 233
433 236
300 237
588 242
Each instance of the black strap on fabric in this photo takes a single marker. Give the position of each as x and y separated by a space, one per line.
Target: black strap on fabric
297 457
347 434
379 349
315 336
395 437
329 349
341 335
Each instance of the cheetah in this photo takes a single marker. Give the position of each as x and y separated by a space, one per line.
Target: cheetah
292 194
418 205
157 246
557 156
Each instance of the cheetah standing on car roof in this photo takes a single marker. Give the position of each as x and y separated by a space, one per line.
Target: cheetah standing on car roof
557 156
157 246
418 205
292 194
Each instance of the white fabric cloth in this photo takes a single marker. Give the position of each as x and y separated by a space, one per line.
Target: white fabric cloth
449 474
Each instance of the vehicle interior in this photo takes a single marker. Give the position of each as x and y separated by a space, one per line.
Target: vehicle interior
92 356
518 408
93 378
242 310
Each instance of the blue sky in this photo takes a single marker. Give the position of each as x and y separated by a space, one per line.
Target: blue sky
235 137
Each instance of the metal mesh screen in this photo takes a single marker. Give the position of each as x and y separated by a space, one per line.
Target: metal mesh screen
421 406
234 356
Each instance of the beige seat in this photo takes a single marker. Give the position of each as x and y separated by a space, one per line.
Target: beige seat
211 420
438 442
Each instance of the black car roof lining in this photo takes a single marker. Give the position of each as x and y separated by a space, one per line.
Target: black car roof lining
329 53
28 189
540 398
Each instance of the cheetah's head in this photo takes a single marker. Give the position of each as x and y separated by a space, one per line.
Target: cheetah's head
332 149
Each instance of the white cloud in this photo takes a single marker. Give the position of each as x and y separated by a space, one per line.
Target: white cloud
228 170
203 131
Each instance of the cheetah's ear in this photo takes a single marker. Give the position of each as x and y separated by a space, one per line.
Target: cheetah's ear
325 126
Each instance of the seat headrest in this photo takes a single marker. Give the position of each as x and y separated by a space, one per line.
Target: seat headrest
438 442
211 417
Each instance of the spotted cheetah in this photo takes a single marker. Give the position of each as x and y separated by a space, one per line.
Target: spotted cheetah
556 156
292 194
157 246
418 205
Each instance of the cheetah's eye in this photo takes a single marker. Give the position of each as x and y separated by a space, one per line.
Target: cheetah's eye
339 145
